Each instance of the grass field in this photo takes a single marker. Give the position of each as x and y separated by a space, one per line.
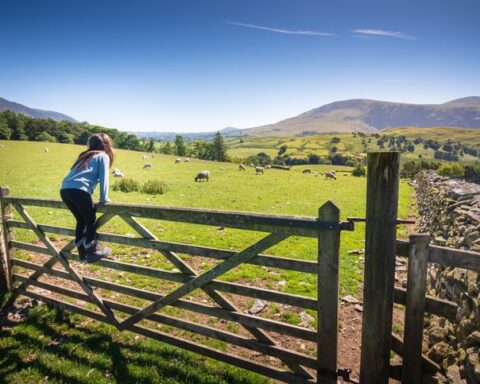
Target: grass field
29 171
302 146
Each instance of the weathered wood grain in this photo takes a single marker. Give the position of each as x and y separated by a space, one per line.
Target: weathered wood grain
380 249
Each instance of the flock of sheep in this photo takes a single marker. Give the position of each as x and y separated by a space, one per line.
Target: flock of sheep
205 175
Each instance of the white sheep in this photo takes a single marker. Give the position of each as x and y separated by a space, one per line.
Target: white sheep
45 150
187 159
259 170
330 175
307 170
145 157
118 174
204 175
315 173
178 161
147 166
241 167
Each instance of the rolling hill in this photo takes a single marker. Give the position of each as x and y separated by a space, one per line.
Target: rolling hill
32 112
361 115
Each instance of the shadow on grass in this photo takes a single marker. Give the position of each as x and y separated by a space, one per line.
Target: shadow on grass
49 347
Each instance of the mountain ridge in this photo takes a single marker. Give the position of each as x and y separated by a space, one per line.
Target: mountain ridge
366 115
33 112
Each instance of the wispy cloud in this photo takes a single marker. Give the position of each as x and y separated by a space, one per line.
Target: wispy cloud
279 30
382 33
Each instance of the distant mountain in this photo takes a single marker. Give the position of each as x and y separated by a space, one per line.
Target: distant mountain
363 115
170 136
38 113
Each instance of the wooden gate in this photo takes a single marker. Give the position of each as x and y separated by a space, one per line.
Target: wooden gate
296 367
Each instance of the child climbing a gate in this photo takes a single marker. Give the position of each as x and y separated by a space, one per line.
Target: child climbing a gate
90 168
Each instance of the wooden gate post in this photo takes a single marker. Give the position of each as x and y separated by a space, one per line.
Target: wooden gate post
327 302
379 276
415 309
5 251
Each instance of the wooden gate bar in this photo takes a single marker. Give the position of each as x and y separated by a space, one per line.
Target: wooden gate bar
242 318
218 298
379 276
304 266
293 225
238 289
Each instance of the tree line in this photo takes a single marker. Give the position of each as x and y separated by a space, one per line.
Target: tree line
20 127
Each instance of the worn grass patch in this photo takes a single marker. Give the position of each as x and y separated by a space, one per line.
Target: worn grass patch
54 347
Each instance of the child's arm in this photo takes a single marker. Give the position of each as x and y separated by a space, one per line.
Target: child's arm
103 175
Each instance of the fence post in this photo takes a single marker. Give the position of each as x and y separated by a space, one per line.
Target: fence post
327 302
5 251
415 309
379 276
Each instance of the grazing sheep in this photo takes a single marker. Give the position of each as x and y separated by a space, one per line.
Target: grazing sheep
204 175
330 175
315 173
332 172
307 170
147 166
178 161
259 170
251 165
116 170
118 174
241 167
187 159
268 166
145 157
45 150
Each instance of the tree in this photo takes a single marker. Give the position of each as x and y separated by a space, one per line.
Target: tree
359 170
180 148
282 150
219 148
44 136
313 159
65 138
151 146
5 132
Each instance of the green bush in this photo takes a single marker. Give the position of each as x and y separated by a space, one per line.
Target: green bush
454 169
126 185
154 187
359 170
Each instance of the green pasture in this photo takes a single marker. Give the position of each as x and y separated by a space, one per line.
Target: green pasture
321 144
31 172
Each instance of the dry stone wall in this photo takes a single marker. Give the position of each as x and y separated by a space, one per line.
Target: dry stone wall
450 212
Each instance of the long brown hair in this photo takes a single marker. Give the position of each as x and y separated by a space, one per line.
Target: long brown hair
97 143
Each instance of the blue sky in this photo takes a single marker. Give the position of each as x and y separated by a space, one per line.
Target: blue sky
145 65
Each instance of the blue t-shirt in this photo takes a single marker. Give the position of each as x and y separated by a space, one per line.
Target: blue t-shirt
87 178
